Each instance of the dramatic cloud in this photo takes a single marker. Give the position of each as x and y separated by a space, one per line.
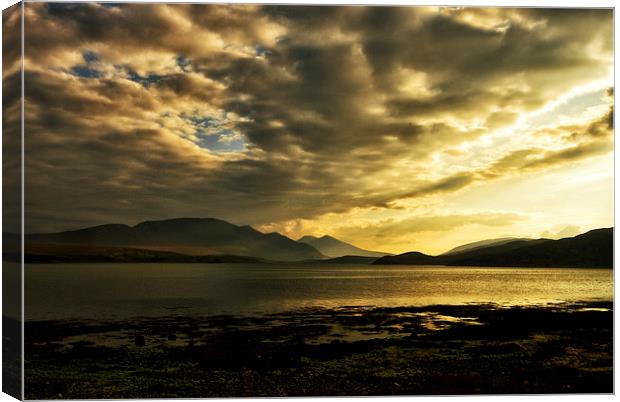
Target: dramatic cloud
442 223
268 115
11 120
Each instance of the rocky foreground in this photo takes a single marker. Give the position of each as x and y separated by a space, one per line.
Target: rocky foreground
473 349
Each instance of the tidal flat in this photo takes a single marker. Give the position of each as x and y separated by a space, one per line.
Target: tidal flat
430 350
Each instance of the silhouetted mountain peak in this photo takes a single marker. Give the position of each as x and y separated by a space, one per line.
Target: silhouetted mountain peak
590 249
332 247
482 243
192 236
180 220
110 227
176 222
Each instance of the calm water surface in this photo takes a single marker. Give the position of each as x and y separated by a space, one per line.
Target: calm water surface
115 291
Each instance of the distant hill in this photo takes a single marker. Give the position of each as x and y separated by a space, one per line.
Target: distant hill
410 258
188 236
493 249
214 240
591 249
332 247
481 243
57 253
351 259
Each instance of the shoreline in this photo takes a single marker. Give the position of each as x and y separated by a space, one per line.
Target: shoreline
430 350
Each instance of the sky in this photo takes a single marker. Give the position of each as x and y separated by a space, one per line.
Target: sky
393 128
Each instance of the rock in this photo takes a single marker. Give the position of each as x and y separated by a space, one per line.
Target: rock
139 340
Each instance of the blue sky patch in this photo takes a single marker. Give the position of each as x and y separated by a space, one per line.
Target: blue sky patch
90 56
222 141
183 63
85 71
112 5
261 51
144 80
203 121
213 135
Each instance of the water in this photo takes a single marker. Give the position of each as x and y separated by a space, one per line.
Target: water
117 291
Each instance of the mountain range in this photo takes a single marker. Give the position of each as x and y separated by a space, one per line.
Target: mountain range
214 240
332 247
592 249
481 244
185 236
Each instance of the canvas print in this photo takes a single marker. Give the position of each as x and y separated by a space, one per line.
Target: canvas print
252 200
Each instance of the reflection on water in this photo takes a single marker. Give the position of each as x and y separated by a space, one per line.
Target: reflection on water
11 289
61 291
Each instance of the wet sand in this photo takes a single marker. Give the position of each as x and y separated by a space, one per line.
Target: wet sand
432 350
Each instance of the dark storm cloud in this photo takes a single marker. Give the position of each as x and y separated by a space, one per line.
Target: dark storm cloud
449 184
11 120
11 39
326 103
